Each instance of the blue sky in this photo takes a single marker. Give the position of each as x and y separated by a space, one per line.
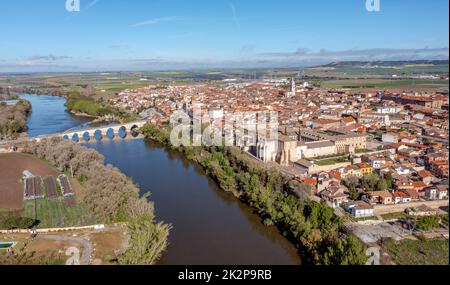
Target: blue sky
176 34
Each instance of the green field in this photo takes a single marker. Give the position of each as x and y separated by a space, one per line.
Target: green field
331 160
54 213
393 216
377 72
417 252
381 84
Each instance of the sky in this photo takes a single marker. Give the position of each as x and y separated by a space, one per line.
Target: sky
106 35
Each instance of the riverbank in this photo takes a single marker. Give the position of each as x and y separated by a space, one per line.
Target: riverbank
13 119
109 196
318 234
80 105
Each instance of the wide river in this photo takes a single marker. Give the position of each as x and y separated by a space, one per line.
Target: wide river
209 225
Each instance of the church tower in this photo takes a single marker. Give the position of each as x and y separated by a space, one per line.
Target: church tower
293 87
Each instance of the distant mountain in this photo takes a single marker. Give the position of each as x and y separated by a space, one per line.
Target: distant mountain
384 63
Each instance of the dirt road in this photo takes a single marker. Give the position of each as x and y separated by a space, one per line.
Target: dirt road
86 253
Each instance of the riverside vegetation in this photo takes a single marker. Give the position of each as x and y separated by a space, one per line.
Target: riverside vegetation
79 104
109 196
13 119
317 232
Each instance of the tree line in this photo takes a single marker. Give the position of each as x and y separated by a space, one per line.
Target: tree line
13 119
6 94
109 195
318 233
81 104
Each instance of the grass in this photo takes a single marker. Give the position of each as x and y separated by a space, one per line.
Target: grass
362 150
444 220
54 213
374 218
393 216
118 87
375 83
331 160
418 252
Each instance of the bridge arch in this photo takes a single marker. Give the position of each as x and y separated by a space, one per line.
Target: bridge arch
134 130
98 135
110 133
75 137
86 136
122 132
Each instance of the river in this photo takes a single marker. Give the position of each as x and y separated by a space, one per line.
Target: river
209 225
49 115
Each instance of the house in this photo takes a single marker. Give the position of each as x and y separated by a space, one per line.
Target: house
365 168
359 209
402 170
335 195
377 162
380 197
419 186
352 170
412 193
409 139
348 121
324 124
438 192
426 176
440 168
401 198
311 182
390 138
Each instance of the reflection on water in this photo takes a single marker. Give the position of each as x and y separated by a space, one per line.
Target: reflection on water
210 225
49 115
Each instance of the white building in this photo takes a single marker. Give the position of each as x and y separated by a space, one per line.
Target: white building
316 149
388 110
390 138
359 209
267 149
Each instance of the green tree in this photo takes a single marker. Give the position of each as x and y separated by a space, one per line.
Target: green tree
382 185
147 240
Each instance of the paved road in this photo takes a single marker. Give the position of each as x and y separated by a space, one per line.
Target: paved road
85 258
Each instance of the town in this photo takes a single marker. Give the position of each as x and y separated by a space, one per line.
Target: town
225 133
370 153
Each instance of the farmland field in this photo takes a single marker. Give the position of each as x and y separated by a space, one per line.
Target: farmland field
12 167
381 84
56 213
50 186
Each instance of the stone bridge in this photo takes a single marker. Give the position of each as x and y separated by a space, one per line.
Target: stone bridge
99 133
